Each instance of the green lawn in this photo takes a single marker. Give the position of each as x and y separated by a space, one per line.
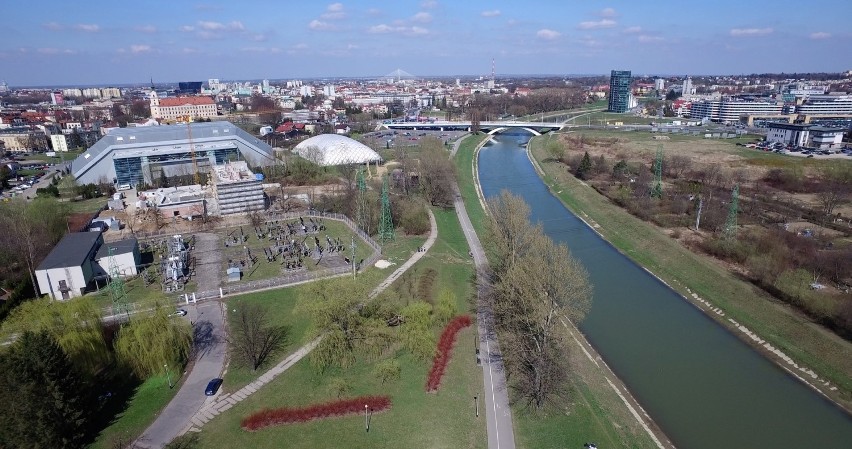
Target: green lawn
149 398
784 328
416 419
89 206
68 156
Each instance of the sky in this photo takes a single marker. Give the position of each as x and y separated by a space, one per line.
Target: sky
97 42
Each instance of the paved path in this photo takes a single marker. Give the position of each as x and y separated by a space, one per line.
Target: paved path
223 402
498 415
208 260
209 359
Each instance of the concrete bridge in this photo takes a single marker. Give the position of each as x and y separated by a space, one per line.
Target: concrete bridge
536 128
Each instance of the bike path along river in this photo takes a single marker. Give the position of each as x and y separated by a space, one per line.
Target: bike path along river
704 387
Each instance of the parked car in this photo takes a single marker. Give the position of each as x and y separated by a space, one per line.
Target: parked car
213 386
180 312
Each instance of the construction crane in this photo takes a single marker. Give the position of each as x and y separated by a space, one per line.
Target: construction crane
196 175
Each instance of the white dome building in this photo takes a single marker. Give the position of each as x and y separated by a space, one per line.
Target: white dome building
333 149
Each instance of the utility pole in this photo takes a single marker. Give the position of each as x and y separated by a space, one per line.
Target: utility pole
353 257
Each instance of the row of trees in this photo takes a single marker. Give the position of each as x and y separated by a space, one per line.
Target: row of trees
536 285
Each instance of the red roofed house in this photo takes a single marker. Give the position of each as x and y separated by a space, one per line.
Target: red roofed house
179 107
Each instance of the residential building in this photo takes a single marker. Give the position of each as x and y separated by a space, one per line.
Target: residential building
660 84
733 111
687 91
826 105
59 142
619 91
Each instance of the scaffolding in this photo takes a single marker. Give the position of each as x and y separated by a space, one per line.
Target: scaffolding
386 231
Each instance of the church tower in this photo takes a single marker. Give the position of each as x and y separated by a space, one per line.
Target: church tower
155 104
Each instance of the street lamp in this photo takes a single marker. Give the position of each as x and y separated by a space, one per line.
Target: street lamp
168 375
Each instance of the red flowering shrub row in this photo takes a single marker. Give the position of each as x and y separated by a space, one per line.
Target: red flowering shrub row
272 417
442 353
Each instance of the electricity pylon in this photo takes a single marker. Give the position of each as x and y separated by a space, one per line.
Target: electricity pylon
657 188
386 231
116 286
361 212
730 230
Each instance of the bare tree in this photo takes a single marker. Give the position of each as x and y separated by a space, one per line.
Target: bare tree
831 196
253 338
677 165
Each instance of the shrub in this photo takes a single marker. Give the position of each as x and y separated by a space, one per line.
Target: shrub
274 417
444 350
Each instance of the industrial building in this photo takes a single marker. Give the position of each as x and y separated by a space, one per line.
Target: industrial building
80 258
130 156
619 91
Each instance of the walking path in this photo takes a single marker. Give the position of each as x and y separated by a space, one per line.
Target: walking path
498 415
223 402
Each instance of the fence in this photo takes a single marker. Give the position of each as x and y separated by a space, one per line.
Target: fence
295 278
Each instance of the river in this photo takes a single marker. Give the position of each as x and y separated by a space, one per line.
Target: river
703 386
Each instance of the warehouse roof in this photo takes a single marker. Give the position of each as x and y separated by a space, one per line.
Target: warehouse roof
118 247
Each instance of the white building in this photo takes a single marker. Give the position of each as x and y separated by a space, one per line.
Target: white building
78 259
59 142
306 91
687 91
805 135
92 92
110 92
659 84
732 111
328 91
827 105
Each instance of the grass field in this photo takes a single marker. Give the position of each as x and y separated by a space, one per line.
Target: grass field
416 419
149 398
805 342
592 412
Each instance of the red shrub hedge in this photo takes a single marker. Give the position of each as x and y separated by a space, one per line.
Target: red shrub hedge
443 352
272 417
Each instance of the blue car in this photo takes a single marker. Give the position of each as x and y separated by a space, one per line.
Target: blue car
213 386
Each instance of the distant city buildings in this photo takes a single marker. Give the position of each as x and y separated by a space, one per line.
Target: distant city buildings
687 91
660 84
619 91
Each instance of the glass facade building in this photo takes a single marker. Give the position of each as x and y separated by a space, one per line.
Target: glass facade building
619 91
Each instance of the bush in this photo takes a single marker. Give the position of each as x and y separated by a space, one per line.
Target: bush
413 218
444 350
273 417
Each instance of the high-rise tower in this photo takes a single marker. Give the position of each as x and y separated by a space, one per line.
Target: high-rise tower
619 91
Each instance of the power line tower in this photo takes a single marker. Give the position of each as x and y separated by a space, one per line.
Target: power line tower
657 188
386 231
116 286
361 211
730 230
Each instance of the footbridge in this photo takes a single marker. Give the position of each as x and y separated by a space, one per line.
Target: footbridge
536 128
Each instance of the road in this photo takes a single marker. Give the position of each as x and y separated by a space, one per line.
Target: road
498 415
208 358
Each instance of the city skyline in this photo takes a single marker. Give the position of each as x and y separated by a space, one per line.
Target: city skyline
67 44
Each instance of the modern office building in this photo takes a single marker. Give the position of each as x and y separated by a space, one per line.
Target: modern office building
619 91
826 105
805 135
129 156
734 111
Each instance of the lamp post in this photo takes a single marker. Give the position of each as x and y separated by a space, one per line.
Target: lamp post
168 375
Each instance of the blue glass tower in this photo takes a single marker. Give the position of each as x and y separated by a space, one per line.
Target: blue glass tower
619 90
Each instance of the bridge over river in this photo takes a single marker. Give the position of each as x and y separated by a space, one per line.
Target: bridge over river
492 127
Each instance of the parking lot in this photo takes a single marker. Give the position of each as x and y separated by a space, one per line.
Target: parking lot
789 150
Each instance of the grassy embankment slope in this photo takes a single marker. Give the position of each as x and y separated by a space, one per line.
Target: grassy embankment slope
416 419
807 343
593 411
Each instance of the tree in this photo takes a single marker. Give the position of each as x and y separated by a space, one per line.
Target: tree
582 171
446 308
554 149
387 371
31 229
415 333
68 187
75 325
537 286
253 338
437 173
153 339
45 401
831 196
349 326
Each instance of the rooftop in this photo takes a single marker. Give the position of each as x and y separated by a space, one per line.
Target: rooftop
236 171
181 101
118 247
71 251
